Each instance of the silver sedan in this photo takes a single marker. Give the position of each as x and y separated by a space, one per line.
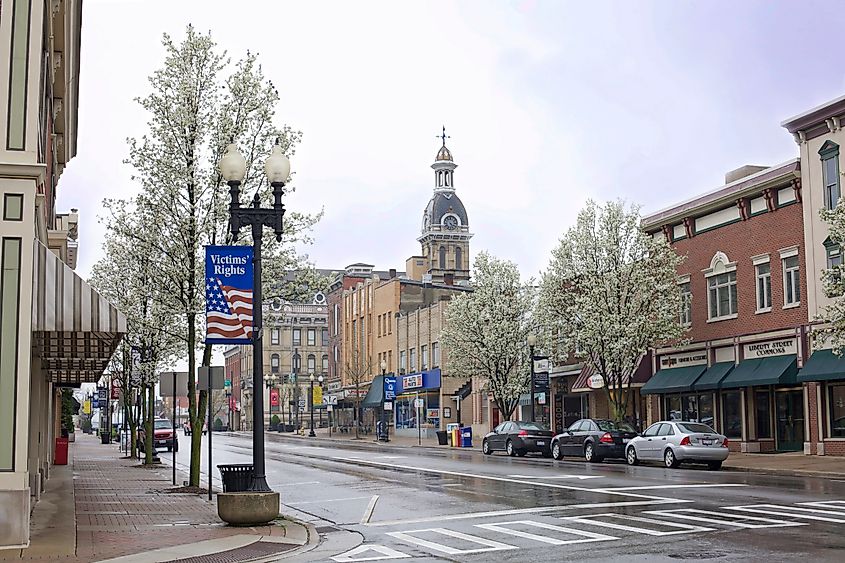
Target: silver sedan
675 442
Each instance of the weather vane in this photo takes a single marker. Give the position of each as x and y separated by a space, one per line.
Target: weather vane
443 136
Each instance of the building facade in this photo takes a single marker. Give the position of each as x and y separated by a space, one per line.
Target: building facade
55 330
232 365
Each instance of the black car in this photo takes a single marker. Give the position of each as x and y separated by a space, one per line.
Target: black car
595 439
519 438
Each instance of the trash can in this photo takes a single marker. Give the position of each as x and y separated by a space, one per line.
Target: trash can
237 477
466 437
105 438
442 439
60 457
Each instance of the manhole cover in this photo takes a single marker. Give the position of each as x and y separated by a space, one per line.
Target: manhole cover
255 550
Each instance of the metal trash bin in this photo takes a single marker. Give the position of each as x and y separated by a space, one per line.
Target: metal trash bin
237 477
442 439
105 438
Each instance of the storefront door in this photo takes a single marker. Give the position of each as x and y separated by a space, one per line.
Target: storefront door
789 406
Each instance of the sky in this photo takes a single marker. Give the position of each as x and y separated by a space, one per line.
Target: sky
547 103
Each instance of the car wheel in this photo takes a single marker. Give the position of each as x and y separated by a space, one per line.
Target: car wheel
714 465
509 449
590 454
485 447
631 456
556 453
669 459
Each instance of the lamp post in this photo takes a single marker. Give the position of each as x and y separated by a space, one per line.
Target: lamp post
228 389
383 367
311 378
532 341
233 169
270 383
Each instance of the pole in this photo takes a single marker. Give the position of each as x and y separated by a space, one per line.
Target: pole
173 438
210 425
531 359
311 433
383 411
260 480
419 424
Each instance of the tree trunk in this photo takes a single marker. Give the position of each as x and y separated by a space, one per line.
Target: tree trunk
149 427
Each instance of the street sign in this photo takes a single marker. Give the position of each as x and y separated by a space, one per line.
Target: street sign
389 388
165 384
418 403
330 399
95 403
218 376
388 405
301 405
102 394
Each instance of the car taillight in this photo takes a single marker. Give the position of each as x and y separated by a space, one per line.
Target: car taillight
606 438
523 433
725 443
685 441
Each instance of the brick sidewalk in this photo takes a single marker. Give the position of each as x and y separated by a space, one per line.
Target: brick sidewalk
122 508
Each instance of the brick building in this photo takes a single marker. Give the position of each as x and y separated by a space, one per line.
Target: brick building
232 363
744 285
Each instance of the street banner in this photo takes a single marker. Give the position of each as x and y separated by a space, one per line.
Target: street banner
115 388
274 397
389 388
228 294
86 407
317 397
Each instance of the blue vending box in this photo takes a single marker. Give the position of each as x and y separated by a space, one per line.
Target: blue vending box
466 437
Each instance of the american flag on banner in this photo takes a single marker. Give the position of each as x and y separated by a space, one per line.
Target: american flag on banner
228 295
228 311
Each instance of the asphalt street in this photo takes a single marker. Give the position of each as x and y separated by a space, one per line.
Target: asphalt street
381 502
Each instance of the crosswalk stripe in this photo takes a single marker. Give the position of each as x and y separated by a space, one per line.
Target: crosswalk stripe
585 536
681 528
490 545
794 511
833 504
721 518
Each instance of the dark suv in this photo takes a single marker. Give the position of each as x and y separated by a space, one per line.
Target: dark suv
595 439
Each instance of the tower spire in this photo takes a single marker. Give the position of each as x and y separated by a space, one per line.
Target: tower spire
443 136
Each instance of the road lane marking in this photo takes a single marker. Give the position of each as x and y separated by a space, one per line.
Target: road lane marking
680 528
794 511
579 477
834 504
585 536
452 485
489 545
368 513
325 500
297 484
656 487
383 551
721 518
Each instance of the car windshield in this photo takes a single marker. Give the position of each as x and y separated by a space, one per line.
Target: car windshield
531 426
163 424
609 425
694 427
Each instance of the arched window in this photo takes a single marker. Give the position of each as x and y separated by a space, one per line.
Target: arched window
274 363
458 258
297 362
442 257
312 363
325 363
448 178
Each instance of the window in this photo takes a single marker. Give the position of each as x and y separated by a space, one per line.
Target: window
435 354
686 304
325 337
312 363
763 413
722 295
274 336
829 154
791 282
12 207
423 357
390 360
666 430
379 326
297 336
673 407
705 409
764 287
732 414
575 426
312 337
297 362
325 363
389 322
274 363
10 284
652 430
833 252
402 362
442 257
413 365
836 400
458 258
336 318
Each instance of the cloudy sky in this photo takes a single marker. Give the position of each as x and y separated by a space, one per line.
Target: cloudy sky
547 103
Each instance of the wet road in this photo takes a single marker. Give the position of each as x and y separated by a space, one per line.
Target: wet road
383 503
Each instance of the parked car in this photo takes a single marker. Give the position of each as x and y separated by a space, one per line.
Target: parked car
595 439
186 428
518 438
677 442
163 435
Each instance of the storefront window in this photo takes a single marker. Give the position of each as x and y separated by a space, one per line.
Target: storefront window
763 413
705 409
732 414
690 411
837 411
673 407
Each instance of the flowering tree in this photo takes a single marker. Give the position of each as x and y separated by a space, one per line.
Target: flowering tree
832 332
485 331
610 294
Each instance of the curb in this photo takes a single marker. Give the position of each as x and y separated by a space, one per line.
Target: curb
313 542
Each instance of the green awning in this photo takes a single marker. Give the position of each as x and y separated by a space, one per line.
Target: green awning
777 370
375 396
712 378
673 380
823 365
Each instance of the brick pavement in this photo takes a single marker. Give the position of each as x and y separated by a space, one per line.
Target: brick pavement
123 508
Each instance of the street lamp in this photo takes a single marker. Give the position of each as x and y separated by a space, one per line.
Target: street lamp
270 382
532 341
383 366
311 378
233 169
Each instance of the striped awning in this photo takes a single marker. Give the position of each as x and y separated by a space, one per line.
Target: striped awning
75 329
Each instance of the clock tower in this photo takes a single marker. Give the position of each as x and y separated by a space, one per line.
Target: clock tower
445 227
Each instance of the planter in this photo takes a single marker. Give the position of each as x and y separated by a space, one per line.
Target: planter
248 508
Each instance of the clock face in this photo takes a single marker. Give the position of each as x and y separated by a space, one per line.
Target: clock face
450 222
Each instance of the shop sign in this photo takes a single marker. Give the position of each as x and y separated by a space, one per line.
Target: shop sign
698 358
541 398
596 381
388 405
771 348
334 386
432 413
412 381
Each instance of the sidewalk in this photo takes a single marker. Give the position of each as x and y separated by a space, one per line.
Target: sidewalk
105 508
